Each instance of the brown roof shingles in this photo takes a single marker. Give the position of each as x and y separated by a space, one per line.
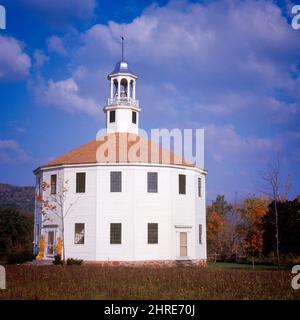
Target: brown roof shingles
126 147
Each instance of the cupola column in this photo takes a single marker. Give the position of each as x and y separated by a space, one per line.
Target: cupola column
128 89
133 88
119 88
111 88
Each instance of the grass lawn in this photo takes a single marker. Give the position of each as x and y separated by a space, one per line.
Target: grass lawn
94 282
244 266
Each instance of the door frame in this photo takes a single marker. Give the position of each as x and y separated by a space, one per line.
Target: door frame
188 231
49 255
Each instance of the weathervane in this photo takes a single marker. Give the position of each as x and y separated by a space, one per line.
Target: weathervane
123 39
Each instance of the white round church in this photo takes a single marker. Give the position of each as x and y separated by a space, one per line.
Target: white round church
122 199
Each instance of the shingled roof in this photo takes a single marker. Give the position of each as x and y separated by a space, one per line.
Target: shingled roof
125 148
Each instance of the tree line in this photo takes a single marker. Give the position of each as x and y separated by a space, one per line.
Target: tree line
255 229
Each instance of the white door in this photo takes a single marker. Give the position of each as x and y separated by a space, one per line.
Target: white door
183 250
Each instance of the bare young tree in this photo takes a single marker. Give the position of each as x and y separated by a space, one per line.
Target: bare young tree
55 203
273 185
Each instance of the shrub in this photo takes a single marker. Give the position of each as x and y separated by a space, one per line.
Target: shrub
57 260
20 257
72 261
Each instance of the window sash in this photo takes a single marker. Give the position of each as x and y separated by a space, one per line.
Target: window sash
152 233
200 233
80 182
40 186
115 181
112 116
53 183
115 233
199 187
134 117
37 233
182 183
79 233
152 182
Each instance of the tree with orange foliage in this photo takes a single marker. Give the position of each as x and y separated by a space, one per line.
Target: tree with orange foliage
214 232
253 211
56 205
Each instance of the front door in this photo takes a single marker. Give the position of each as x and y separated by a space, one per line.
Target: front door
50 243
183 244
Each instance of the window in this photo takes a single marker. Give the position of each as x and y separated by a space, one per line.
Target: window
115 233
199 187
79 233
40 186
112 116
152 233
116 181
53 183
200 233
37 233
80 182
133 117
152 181
182 183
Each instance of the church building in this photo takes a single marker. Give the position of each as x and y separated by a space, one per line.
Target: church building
114 209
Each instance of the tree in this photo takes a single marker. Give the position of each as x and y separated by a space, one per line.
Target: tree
253 212
16 233
214 231
289 225
220 205
57 205
273 184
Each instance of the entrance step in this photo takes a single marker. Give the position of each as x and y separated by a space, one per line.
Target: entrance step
185 263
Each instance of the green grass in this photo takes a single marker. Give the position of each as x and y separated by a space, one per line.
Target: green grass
94 282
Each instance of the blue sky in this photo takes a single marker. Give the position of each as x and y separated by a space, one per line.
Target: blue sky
232 67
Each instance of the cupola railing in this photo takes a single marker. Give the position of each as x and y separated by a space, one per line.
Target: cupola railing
128 101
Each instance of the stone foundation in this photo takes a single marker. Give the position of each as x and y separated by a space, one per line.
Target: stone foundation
150 263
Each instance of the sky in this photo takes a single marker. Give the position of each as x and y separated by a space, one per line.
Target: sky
230 67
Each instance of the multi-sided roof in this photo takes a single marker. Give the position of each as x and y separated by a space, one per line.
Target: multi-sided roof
119 148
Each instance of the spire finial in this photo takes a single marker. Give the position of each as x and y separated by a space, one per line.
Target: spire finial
123 39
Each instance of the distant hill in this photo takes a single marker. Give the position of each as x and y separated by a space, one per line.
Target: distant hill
21 198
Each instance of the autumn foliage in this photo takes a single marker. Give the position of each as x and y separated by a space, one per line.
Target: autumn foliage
42 244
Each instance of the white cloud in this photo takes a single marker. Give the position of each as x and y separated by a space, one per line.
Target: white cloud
222 57
12 153
40 59
14 62
223 143
66 95
55 44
